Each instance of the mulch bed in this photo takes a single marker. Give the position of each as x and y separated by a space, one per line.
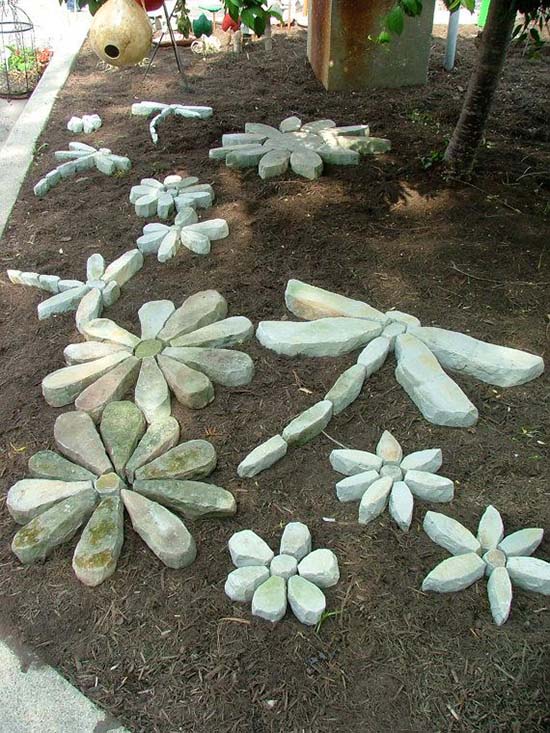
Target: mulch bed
165 650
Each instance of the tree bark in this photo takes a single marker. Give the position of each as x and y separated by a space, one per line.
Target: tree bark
469 131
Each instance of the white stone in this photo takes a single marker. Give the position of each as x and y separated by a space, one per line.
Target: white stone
350 462
430 486
307 602
311 302
262 457
296 540
95 266
374 500
334 154
152 395
493 559
274 163
229 332
285 566
521 543
439 399
320 567
374 354
306 163
77 438
124 267
490 363
90 351
49 283
455 573
393 330
401 505
244 156
242 138
405 318
247 548
491 529
353 487
393 471
62 387
530 573
75 125
308 424
269 599
242 582
499 590
68 300
90 307
103 329
290 124
200 309
325 337
388 449
30 497
450 534
152 317
423 460
347 388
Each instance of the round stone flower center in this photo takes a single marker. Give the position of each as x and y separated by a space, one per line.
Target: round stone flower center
494 559
109 484
392 471
149 347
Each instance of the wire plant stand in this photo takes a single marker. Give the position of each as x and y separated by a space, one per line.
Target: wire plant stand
20 69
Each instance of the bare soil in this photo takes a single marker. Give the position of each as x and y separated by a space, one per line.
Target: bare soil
166 651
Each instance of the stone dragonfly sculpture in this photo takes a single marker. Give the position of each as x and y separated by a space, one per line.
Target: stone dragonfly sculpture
145 109
296 576
304 147
88 298
504 561
98 473
180 351
334 325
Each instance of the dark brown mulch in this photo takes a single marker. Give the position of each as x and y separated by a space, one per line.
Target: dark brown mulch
166 651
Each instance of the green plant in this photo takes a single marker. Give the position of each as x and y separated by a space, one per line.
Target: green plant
433 157
22 59
184 22
252 13
324 616
93 5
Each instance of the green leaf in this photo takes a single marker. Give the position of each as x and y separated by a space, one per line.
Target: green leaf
233 10
469 5
383 37
248 17
395 20
412 8
259 25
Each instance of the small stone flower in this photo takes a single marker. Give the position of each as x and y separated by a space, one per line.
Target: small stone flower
101 288
81 157
503 560
296 574
388 478
153 198
306 148
101 472
165 241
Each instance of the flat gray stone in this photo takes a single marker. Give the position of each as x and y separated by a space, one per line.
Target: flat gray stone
450 534
530 573
262 457
242 582
430 486
393 330
521 543
401 505
164 533
393 471
308 424
33 496
63 386
50 465
338 155
353 487
296 540
122 426
455 573
193 459
223 366
77 438
247 548
374 500
347 388
324 337
190 387
124 267
306 600
269 599
96 555
374 354
310 302
285 566
193 499
159 438
423 460
229 332
110 387
349 461
244 156
320 567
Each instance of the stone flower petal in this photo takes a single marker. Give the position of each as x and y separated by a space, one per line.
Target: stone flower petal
306 163
242 582
530 573
195 241
274 163
194 459
33 496
296 540
122 426
374 354
269 600
153 315
499 590
190 387
68 300
388 449
159 438
423 460
164 533
374 500
169 245
50 465
95 266
223 366
311 302
108 388
491 529
430 486
455 573
152 395
77 438
124 267
262 456
401 505
353 487
350 462
89 308
320 567
63 386
103 329
228 332
96 555
197 311
306 600
193 499
521 543
450 534
249 549
91 350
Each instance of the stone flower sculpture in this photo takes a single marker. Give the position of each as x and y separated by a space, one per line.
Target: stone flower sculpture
101 472
388 478
101 288
181 350
503 560
334 325
81 157
296 574
144 109
156 198
187 231
306 148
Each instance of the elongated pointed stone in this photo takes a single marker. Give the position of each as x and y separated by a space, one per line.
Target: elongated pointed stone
274 163
110 387
320 567
259 128
159 438
530 573
374 354
347 388
122 426
242 582
197 242
324 337
95 266
491 529
169 245
244 156
308 424
90 351
430 486
77 438
499 590
194 459
197 311
96 555
388 449
64 385
193 499
423 460
490 363
57 525
90 307
152 395
455 573
450 534
124 267
401 505
521 543
103 329
153 315
353 487
110 293
349 461
190 387
310 302
262 457
247 548
296 540
374 500
30 497
338 155
307 602
229 332
63 302
222 366
306 163
164 533
50 465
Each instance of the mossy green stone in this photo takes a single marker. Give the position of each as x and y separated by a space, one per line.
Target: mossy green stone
160 437
149 347
97 552
191 498
191 460
50 465
122 425
109 484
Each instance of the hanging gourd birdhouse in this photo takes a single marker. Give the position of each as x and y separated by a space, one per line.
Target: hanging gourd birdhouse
121 33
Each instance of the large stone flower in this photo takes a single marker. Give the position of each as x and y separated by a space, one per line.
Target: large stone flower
180 350
504 560
121 465
306 148
296 574
101 288
388 478
156 198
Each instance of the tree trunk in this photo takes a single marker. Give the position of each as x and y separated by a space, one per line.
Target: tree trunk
469 131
